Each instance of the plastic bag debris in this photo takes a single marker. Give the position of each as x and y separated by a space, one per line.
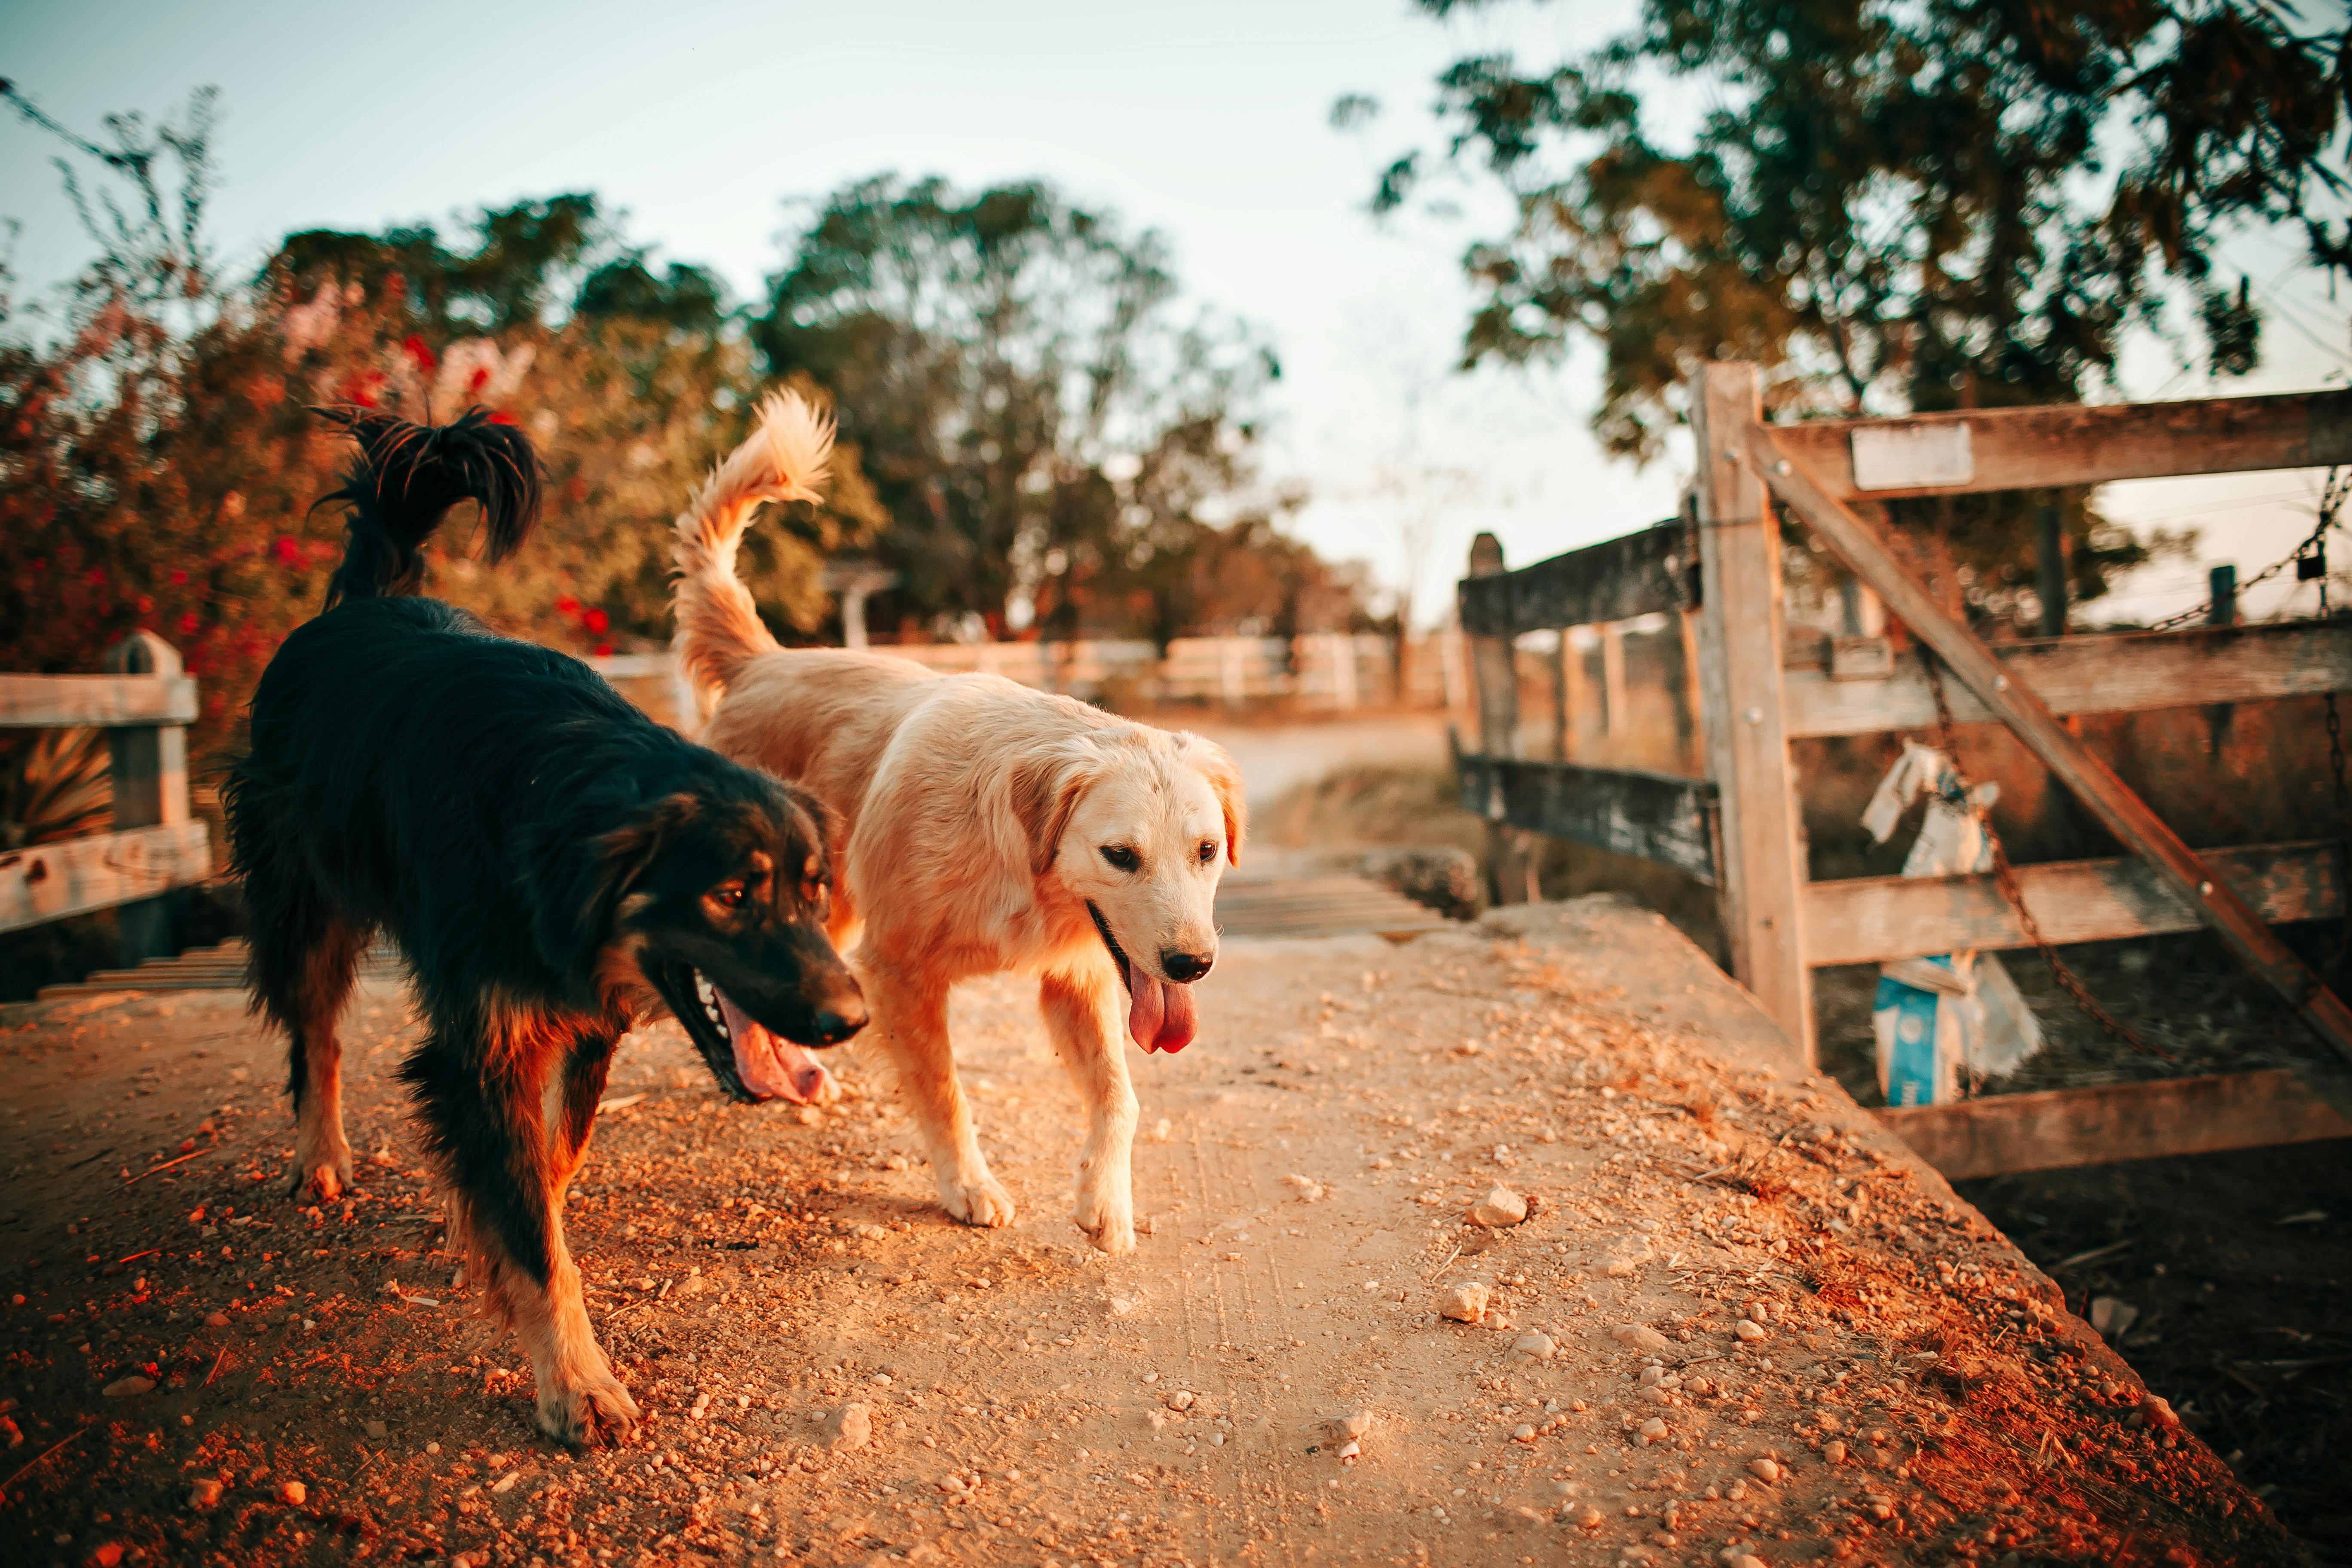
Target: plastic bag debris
1934 1014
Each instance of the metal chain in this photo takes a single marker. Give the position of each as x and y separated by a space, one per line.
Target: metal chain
2331 498
2005 878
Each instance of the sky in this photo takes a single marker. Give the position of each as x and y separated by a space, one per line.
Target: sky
1207 121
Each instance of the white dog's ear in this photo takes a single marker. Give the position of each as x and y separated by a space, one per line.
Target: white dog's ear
1046 785
1215 763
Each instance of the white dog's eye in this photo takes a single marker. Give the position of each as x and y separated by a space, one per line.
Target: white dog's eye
1208 850
1121 857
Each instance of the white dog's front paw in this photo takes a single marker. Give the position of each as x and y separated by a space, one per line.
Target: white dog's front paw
1108 1219
979 1199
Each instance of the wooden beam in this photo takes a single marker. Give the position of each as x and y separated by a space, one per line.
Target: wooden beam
1762 855
1655 816
2006 1133
150 772
76 875
1634 575
1495 673
2030 448
2120 672
2119 810
1869 920
95 701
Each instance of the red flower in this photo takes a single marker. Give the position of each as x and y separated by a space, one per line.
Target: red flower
603 650
500 417
98 576
289 552
188 624
478 380
567 606
597 621
414 347
179 578
146 605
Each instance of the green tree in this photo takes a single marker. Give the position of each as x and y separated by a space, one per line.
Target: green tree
1030 395
1893 207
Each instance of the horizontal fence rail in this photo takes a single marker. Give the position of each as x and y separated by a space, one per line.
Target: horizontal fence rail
1655 817
80 876
95 701
2032 448
1622 579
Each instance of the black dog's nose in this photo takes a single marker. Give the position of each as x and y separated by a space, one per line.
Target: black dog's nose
831 1029
1186 967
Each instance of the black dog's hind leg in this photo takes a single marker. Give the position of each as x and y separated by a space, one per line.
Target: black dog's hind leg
510 1103
303 961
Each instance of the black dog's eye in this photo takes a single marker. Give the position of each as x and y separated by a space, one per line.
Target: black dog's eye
730 896
1208 850
1122 857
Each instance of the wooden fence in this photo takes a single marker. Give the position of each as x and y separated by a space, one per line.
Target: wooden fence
1738 827
143 702
1322 672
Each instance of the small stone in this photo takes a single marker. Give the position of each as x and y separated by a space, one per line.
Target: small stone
2157 1411
1524 1432
1640 1336
107 1555
1750 1331
1350 1448
1354 1424
2112 1318
1466 1303
1834 1451
216 1320
377 1430
129 1388
1653 1429
1309 1189
1500 1208
1539 1346
1589 1516
1180 1400
1744 1560
1121 1306
851 1427
1764 1470
205 1493
294 1494
1162 1130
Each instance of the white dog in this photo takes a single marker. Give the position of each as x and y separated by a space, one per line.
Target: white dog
983 827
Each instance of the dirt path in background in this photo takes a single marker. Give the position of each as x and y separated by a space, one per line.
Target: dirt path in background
1908 1396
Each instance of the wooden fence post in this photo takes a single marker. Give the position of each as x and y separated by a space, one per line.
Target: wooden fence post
1763 855
1511 878
151 788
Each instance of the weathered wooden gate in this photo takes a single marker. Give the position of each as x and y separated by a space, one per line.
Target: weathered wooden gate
1778 925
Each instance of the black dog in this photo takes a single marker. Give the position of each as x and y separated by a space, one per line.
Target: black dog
551 862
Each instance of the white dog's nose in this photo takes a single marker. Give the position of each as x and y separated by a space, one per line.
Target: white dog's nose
1184 968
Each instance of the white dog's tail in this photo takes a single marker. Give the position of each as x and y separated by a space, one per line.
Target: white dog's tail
718 630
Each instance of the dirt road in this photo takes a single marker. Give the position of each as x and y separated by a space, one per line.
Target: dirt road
834 1374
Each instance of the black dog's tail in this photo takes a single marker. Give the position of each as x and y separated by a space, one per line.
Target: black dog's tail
406 476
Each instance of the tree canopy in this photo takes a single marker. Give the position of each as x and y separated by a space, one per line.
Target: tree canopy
1054 434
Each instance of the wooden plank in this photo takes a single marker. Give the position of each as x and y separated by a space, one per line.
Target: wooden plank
1615 719
1763 854
2005 1132
95 701
1869 920
1655 817
2118 809
1495 672
150 772
75 876
2108 673
2030 448
1634 575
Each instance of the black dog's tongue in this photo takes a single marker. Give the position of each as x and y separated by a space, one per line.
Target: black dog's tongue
770 1067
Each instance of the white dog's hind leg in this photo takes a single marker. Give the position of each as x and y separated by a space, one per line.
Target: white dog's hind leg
1081 1016
910 1027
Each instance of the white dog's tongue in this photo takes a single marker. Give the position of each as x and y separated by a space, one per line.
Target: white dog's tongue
770 1067
1159 1016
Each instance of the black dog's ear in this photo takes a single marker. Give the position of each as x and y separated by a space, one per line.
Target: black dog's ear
577 895
826 827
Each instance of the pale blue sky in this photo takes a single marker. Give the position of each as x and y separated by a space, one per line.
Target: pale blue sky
1207 121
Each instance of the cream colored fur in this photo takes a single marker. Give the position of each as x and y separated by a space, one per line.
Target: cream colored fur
972 815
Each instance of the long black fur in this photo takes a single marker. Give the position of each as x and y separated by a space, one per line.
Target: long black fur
519 830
